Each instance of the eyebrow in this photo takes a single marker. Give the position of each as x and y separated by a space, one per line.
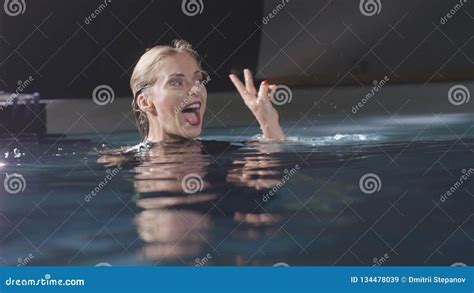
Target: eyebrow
181 75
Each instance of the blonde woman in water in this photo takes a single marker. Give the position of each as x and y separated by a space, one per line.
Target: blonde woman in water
169 95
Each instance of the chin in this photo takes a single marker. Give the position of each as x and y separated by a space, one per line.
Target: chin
188 132
193 133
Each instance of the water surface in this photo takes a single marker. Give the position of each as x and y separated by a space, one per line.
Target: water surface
365 192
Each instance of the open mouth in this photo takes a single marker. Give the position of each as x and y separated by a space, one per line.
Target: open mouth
192 113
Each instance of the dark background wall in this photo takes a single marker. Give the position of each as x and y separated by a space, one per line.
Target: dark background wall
307 43
324 42
69 56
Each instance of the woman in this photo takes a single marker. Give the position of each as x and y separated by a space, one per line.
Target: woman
170 95
184 189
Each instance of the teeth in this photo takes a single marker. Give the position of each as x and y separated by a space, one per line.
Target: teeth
193 106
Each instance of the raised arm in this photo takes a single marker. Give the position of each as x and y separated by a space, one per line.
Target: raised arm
260 104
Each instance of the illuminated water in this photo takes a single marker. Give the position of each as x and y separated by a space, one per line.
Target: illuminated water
319 213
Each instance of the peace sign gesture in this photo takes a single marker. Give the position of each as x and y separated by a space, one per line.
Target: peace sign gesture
260 104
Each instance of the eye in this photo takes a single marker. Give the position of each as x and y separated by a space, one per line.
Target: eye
176 82
199 81
203 79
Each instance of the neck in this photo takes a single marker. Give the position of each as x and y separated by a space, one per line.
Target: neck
157 134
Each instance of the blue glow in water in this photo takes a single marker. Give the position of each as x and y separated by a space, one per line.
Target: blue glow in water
333 193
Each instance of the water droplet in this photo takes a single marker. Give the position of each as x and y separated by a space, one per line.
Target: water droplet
16 153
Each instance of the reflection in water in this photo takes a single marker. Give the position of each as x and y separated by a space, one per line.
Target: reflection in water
245 204
175 222
236 202
172 233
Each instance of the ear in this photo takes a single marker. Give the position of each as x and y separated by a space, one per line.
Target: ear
146 104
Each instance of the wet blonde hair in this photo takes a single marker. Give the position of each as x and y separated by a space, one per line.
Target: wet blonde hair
145 75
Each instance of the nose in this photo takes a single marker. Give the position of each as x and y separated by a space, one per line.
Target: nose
194 91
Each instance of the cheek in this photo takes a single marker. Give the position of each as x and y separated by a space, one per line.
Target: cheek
204 95
166 105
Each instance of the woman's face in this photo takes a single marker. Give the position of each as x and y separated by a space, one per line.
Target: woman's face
179 97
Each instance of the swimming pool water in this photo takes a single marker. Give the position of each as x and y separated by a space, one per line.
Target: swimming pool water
373 191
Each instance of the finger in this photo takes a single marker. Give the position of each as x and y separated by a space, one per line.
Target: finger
238 84
249 82
272 89
240 88
263 91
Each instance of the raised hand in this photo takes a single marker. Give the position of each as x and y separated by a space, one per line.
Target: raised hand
260 104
